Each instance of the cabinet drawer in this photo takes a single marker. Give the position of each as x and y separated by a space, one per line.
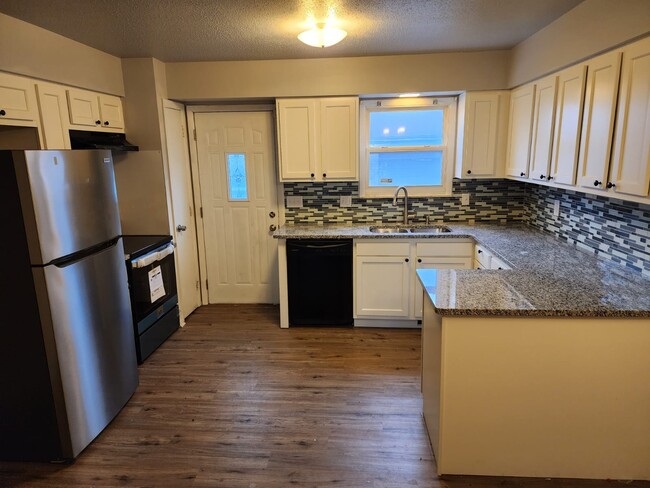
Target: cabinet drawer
483 256
446 248
383 248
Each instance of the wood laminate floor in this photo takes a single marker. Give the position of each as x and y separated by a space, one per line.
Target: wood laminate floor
231 400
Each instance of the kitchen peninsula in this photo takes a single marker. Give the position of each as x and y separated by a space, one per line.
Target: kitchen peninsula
540 370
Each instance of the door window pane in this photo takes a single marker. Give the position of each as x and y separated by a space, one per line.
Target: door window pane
237 178
406 128
405 168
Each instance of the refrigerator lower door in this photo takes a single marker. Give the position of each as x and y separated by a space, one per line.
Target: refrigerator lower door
69 201
93 337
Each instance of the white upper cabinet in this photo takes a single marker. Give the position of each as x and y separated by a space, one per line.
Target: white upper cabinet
17 101
520 130
543 120
630 171
94 110
568 118
598 119
318 139
481 137
54 115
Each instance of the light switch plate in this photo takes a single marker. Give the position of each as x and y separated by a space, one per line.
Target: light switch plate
346 201
556 209
464 199
294 202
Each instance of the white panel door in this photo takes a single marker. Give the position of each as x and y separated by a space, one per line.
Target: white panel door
54 116
339 128
480 134
84 108
110 108
182 205
520 129
17 99
631 159
239 201
543 119
598 119
568 120
382 286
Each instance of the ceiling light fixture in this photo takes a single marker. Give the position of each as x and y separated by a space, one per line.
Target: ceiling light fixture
409 95
322 35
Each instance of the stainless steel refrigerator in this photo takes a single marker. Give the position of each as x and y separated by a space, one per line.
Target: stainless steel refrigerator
67 351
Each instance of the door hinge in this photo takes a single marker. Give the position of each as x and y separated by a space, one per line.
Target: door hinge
194 131
207 286
182 132
197 284
201 210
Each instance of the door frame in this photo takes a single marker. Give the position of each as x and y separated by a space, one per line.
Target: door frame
190 111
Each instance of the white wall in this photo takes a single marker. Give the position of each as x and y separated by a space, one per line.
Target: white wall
591 27
32 51
200 81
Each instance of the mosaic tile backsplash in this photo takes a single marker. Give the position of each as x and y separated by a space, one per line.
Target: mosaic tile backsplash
611 228
490 201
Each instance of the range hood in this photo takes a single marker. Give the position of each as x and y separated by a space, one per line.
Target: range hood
86 139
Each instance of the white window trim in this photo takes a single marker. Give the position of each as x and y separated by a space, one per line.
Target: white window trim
449 105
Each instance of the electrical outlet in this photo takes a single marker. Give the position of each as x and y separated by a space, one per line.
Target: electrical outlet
294 202
346 201
556 209
464 199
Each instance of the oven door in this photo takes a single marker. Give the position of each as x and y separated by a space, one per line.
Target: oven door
152 280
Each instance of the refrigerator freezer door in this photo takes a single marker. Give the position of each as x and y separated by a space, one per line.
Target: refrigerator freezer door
93 336
73 200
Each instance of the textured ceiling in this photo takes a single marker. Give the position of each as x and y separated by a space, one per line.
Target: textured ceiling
201 30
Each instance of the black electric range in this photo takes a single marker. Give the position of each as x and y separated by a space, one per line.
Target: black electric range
152 287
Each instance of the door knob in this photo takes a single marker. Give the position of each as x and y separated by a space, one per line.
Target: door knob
272 227
271 214
181 228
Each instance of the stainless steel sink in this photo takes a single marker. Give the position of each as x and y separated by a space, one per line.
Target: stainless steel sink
393 229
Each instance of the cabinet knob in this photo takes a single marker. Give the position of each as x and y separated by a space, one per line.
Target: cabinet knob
3 113
611 185
98 122
324 175
598 183
312 175
549 178
419 260
522 174
469 171
542 177
271 214
272 228
106 122
479 251
181 228
406 260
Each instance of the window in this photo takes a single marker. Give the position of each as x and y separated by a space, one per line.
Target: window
237 183
407 142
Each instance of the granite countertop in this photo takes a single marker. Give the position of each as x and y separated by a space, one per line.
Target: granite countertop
549 277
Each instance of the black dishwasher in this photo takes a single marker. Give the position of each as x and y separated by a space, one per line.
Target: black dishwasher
319 275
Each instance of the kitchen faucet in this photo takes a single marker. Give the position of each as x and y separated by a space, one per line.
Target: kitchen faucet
406 203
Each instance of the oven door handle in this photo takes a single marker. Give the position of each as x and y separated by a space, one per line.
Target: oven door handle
153 256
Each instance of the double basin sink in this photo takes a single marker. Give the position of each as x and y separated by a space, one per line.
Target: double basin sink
408 229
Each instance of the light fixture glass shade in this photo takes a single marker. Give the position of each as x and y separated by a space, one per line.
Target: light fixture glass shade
322 35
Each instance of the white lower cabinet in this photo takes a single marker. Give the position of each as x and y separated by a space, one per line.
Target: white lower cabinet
386 289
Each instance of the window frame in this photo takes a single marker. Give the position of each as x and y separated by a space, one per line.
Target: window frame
448 146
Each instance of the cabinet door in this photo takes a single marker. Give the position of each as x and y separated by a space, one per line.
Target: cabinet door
339 138
84 108
480 134
54 116
543 119
520 129
110 108
598 119
383 286
17 100
297 139
435 263
631 159
568 120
